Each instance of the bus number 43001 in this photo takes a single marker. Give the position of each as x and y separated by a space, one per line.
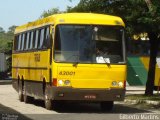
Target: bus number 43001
66 73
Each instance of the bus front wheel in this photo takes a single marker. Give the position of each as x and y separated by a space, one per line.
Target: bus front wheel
107 105
48 102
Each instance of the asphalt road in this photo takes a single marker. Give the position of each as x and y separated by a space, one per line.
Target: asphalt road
11 108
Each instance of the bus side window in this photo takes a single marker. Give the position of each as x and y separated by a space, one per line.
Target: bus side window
46 41
41 38
22 43
16 42
39 35
27 40
19 42
33 40
36 39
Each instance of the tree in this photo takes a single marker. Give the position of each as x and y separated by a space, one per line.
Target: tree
6 39
50 12
2 39
12 29
2 30
154 20
138 16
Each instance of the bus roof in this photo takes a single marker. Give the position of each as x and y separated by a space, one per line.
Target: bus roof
72 18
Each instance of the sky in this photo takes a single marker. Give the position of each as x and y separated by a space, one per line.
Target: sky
18 12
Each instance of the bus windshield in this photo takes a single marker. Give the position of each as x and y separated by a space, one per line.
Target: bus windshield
89 44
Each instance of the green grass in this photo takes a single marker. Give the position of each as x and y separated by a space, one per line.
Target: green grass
141 98
155 97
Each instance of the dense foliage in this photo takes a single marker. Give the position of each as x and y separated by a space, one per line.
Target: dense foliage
50 12
6 39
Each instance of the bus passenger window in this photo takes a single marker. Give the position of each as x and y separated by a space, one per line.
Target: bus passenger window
46 41
22 43
16 42
33 42
41 38
37 39
19 42
27 40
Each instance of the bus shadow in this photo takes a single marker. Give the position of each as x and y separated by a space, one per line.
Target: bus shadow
73 107
7 113
95 108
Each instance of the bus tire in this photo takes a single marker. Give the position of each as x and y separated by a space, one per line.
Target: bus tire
20 92
107 105
48 102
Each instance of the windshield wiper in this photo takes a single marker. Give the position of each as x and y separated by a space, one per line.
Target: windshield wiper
107 63
102 54
75 64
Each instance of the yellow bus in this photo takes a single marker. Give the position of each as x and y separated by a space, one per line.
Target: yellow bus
70 57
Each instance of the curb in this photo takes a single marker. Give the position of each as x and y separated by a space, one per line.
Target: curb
149 102
5 82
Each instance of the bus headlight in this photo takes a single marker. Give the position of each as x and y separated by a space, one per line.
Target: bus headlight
60 82
114 83
64 83
120 84
67 82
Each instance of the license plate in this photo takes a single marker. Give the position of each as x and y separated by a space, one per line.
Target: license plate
90 97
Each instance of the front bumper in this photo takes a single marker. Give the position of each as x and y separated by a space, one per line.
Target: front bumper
66 93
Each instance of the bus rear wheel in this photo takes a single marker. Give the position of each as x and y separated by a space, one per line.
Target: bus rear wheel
26 98
20 93
107 105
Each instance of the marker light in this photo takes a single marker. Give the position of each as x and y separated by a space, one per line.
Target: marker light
124 84
54 82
